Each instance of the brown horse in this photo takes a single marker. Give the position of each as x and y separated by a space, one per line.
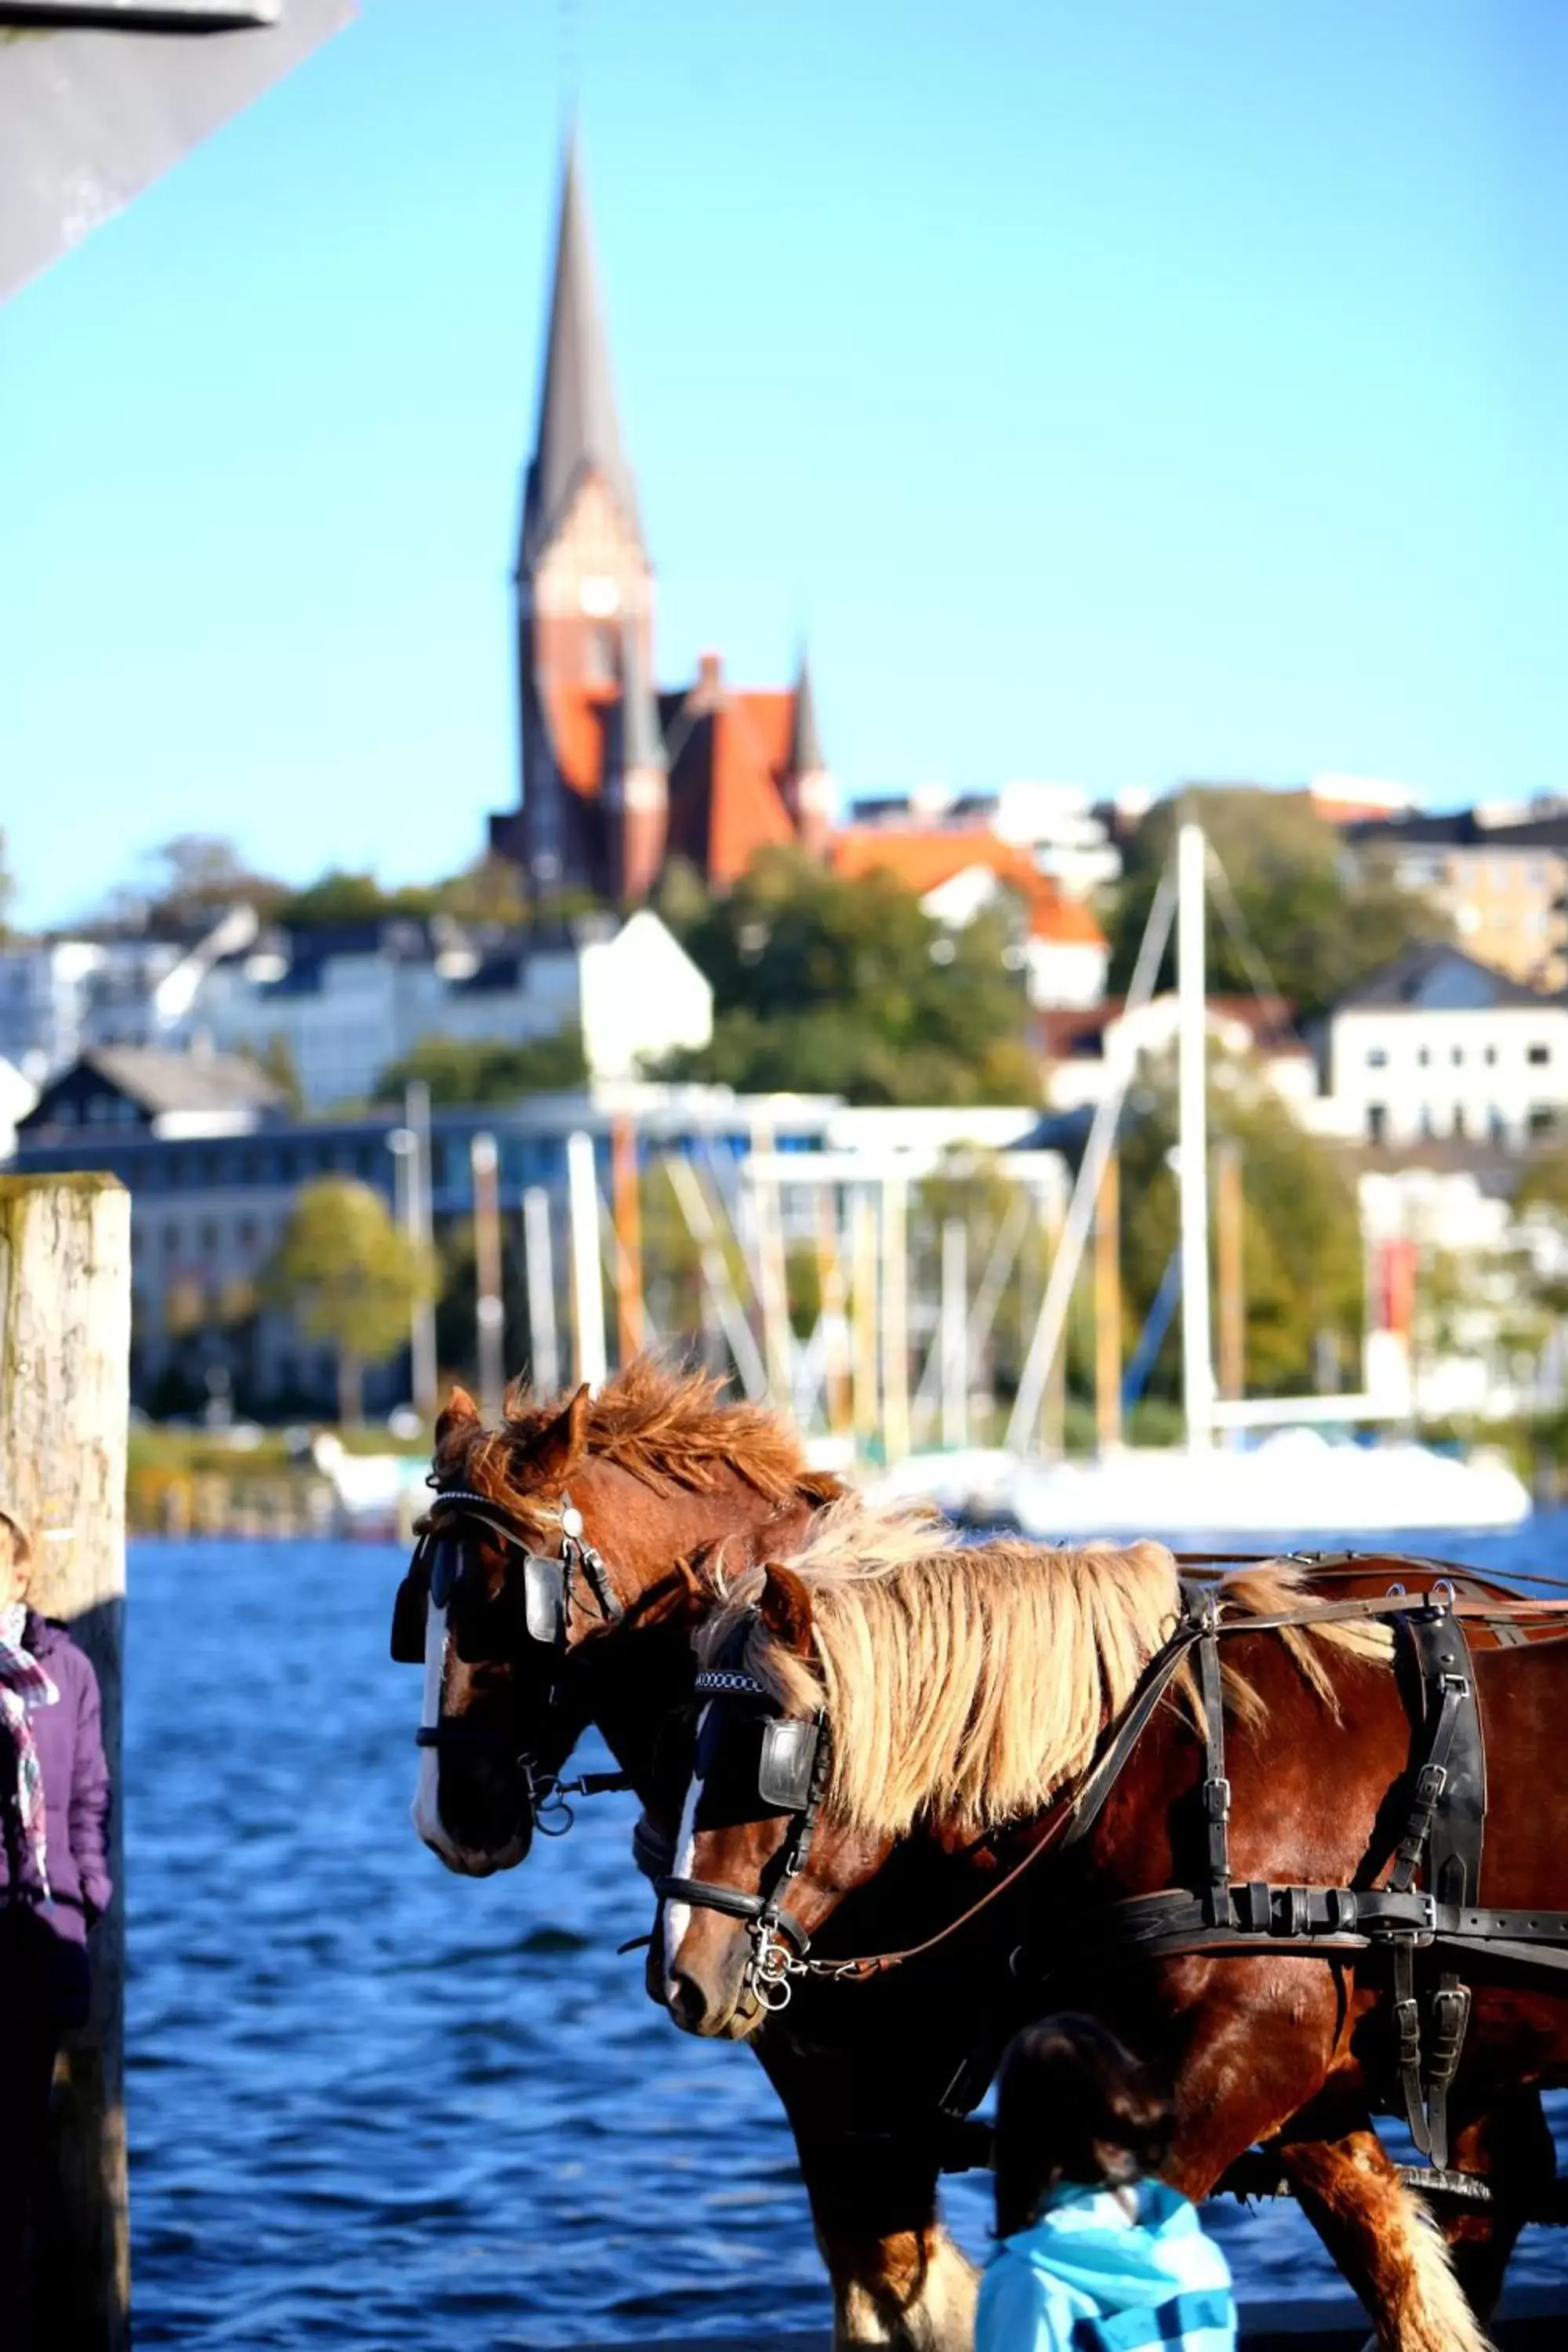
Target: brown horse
962 1696
660 1473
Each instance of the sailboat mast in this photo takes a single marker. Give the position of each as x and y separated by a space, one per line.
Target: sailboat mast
1197 1359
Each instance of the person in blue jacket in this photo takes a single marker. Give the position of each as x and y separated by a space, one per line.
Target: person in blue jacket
1096 2254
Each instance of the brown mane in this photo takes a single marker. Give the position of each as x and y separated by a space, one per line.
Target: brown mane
666 1426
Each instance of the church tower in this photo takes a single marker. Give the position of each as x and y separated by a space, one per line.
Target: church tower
584 591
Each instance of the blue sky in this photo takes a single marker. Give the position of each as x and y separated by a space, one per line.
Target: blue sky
1120 394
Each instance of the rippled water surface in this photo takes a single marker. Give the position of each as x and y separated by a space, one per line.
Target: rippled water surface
375 2106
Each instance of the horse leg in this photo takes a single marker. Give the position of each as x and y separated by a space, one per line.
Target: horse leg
1512 2146
1383 2242
897 2277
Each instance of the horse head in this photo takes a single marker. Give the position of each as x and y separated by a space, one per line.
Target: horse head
548 1541
763 1857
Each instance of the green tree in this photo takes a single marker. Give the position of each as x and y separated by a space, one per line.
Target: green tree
187 883
1318 921
1303 1274
348 1278
827 985
340 896
473 1070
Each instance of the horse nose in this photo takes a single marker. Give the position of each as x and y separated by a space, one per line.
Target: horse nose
688 2002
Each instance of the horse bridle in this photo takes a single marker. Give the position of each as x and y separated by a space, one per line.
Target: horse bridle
550 1595
791 1777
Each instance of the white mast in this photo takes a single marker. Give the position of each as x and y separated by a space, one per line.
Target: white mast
1197 1359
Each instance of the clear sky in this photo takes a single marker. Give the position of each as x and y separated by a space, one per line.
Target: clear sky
1119 393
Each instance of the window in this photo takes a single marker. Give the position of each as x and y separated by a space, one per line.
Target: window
1424 1055
1377 1122
1460 1127
1543 1118
171 1238
1538 1056
1491 1057
245 1233
1377 1057
207 1237
1457 1055
1496 1127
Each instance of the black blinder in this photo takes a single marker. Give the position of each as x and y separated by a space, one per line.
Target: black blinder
445 1566
788 1763
408 1619
544 1598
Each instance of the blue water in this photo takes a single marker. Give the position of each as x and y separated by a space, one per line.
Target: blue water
372 2104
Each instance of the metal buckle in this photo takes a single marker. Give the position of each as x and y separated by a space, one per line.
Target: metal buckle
1216 1800
771 1967
1431 1782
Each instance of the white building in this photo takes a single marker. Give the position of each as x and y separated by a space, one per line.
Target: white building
348 1002
1091 1054
1438 1046
61 996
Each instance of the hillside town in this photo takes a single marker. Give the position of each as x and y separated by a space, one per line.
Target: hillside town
656 949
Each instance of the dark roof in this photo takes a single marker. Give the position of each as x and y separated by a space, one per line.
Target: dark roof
1458 829
806 745
158 1080
1436 978
579 432
1464 829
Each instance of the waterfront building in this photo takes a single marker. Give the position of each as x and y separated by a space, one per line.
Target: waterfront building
1439 1044
213 1163
60 995
1500 877
347 1002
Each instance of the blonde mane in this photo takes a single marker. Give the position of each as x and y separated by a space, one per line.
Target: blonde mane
969 1683
668 1426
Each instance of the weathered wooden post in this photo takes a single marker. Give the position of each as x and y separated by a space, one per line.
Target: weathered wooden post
64 1348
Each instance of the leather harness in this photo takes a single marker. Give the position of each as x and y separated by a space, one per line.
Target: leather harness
1442 1839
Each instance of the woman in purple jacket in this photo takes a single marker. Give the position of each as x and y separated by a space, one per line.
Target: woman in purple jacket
54 1881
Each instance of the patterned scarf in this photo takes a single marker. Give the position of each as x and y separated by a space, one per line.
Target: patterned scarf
24 1686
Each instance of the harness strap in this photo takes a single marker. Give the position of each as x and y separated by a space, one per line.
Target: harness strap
1216 1787
733 1903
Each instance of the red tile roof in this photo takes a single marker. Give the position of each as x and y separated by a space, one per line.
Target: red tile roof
924 857
576 715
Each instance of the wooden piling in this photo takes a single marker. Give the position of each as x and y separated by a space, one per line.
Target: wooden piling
626 1214
64 1348
1230 1229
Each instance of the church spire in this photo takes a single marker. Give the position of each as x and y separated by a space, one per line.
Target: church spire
579 431
806 745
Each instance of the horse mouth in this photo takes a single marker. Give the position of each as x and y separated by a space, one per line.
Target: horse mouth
478 1862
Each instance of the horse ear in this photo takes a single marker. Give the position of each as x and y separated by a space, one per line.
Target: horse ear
552 1452
458 1413
785 1608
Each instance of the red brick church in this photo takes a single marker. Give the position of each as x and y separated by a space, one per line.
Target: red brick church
618 776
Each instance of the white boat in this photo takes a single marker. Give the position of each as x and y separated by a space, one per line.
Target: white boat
376 1492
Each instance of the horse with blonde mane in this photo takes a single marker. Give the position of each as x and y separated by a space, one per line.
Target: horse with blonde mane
960 1696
